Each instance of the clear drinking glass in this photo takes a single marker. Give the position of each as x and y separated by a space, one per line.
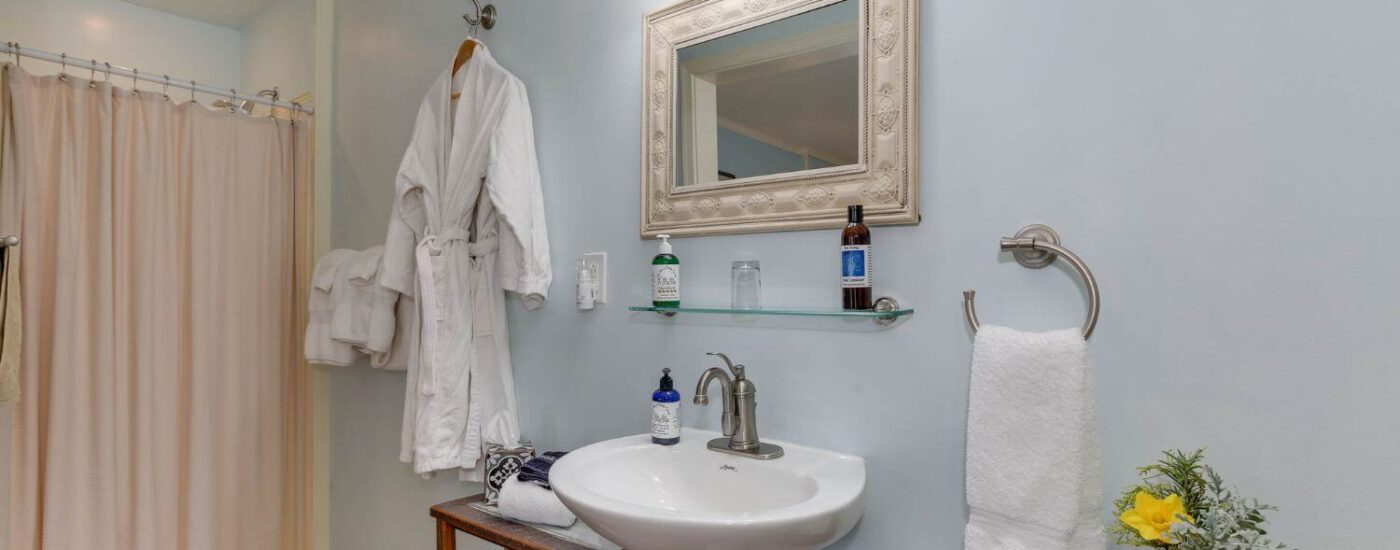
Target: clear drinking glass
745 285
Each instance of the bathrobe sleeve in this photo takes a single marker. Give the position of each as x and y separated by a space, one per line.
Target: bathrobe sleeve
513 181
409 215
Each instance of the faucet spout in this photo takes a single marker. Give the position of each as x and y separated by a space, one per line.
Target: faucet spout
702 388
740 412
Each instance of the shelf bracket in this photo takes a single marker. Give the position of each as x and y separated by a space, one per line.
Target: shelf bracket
886 304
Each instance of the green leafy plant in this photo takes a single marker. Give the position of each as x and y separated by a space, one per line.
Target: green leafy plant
1213 516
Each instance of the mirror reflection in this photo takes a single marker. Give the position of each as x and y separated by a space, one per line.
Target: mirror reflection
777 98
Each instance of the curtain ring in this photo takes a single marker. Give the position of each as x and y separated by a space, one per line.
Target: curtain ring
134 73
92 74
193 85
63 67
165 91
108 72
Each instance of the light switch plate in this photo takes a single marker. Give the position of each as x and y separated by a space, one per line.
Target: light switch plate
598 262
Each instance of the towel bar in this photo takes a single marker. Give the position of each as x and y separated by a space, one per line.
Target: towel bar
1036 246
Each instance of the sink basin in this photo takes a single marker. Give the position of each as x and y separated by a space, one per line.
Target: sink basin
644 496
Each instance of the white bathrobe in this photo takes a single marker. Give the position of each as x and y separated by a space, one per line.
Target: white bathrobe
468 223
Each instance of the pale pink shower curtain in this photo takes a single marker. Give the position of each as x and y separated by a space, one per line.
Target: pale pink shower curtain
160 391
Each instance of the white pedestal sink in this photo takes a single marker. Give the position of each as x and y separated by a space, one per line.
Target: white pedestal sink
644 496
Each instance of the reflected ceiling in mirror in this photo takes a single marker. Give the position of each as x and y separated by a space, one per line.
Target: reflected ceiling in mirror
777 98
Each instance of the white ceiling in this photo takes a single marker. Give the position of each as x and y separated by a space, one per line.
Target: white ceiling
233 14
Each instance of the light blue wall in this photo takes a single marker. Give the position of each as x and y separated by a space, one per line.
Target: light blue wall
1228 169
386 55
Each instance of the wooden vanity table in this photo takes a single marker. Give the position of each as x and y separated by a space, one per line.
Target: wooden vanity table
458 515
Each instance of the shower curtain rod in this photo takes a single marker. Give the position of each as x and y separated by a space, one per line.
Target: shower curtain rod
13 48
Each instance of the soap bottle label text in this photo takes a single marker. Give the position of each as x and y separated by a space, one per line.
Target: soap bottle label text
666 283
855 266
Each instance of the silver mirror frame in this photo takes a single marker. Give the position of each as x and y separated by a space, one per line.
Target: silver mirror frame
886 178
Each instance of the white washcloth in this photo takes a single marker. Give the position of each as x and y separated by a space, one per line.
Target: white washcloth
319 347
1032 443
525 501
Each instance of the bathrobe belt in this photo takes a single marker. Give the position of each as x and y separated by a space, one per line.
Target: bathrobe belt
429 247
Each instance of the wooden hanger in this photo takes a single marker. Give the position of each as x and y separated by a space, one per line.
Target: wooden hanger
485 18
464 54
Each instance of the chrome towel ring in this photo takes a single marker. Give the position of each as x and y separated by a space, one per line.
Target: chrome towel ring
1036 246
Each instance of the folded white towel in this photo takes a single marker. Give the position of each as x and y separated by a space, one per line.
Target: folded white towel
525 501
354 295
319 346
323 276
1032 443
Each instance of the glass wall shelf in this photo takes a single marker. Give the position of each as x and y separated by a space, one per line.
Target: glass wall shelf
886 311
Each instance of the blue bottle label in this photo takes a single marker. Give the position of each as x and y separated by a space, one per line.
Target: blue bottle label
665 420
855 266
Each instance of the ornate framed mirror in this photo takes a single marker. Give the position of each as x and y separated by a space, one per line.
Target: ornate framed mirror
773 115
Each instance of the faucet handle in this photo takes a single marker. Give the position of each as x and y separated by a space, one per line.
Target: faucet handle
738 370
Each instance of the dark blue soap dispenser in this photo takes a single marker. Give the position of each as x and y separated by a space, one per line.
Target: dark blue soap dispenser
666 412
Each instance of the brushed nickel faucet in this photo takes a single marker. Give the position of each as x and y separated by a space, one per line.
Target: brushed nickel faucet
738 422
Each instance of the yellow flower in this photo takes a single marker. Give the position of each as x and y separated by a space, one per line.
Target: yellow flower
1153 517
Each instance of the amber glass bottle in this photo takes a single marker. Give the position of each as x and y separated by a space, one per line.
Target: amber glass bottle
856 276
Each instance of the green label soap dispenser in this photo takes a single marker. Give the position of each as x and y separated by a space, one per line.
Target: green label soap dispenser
665 276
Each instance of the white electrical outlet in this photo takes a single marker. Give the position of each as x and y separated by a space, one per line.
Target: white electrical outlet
598 262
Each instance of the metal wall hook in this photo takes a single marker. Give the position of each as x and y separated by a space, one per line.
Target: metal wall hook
1036 246
485 17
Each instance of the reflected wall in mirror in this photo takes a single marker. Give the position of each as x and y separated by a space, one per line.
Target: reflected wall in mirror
776 98
771 115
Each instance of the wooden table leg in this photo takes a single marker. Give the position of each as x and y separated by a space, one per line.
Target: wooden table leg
446 536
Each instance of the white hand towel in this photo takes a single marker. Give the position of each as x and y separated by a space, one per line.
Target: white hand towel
354 296
382 319
395 326
319 347
1032 443
525 501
